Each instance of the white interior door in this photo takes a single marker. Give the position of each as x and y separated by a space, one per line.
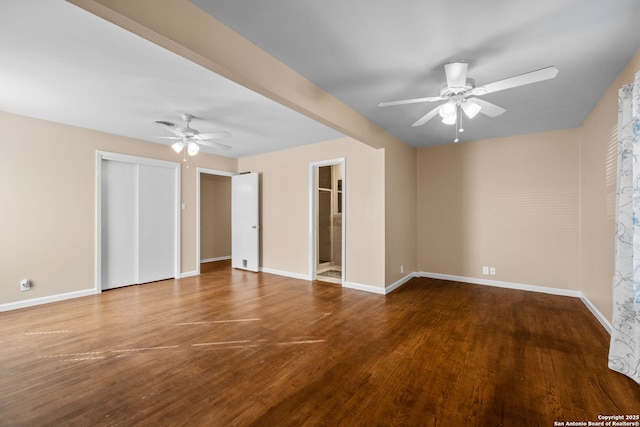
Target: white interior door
157 219
119 224
245 227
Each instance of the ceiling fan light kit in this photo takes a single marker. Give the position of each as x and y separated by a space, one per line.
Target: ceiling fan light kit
471 108
461 92
177 146
192 148
191 138
448 111
450 120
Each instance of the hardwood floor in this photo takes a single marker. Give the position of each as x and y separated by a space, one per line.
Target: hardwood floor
238 348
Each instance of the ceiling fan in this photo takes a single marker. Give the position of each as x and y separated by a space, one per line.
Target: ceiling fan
191 138
461 94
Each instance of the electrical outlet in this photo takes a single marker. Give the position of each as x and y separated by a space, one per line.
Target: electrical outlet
25 285
401 269
492 271
485 270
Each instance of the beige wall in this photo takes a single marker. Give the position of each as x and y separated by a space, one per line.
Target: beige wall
508 203
285 196
47 213
477 202
215 216
400 206
598 151
186 30
454 198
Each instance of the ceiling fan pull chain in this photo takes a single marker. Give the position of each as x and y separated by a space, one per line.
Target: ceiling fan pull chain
458 117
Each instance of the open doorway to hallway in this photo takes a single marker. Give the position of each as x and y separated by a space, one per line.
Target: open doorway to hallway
328 222
214 216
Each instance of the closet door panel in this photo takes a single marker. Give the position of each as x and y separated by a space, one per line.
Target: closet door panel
119 224
156 223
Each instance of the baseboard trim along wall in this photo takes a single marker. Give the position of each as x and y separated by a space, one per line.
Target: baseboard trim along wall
366 288
603 320
285 273
499 284
189 274
220 258
522 287
357 286
44 300
392 287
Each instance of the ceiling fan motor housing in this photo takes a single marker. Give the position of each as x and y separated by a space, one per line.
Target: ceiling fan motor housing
449 92
186 132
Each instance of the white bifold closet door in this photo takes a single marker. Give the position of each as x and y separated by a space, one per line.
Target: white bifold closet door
139 209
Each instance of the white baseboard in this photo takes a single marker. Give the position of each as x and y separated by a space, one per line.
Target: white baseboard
598 315
366 288
352 285
522 287
377 290
220 258
44 300
285 273
399 283
499 284
189 274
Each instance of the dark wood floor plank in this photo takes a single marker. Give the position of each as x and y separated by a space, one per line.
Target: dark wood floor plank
230 347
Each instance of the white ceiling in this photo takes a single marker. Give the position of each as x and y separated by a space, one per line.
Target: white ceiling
367 51
60 63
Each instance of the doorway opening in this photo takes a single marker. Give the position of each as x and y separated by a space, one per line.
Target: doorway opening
213 211
328 212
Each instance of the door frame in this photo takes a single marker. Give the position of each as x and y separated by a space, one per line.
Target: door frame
313 232
125 158
199 172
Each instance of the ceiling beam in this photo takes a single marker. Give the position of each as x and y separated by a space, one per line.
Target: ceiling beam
183 28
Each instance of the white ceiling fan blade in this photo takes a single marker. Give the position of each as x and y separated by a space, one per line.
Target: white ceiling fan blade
520 80
489 109
212 135
456 73
214 144
411 101
424 119
169 137
167 125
